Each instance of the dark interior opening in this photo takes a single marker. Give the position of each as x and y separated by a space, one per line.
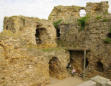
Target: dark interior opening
54 65
87 62
109 35
100 66
6 27
38 40
58 33
76 60
41 35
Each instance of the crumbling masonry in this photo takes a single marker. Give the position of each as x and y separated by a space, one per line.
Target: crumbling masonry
30 45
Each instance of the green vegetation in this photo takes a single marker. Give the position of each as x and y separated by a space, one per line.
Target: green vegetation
98 17
106 12
105 20
107 40
82 22
57 23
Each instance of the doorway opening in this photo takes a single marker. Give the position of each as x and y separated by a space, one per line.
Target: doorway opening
58 33
100 67
76 60
54 66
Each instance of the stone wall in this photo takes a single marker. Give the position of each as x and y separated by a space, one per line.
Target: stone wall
68 14
95 8
28 65
96 30
27 27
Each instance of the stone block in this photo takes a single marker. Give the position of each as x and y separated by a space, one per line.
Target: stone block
88 83
108 84
101 81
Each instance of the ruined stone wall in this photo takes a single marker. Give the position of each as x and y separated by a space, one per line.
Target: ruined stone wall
28 65
67 14
27 27
96 33
71 36
92 37
97 8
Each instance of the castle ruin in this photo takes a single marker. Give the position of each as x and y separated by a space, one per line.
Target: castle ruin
32 49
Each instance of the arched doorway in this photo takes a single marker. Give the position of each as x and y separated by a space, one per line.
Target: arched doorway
54 66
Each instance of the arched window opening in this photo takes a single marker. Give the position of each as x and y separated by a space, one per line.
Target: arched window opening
82 13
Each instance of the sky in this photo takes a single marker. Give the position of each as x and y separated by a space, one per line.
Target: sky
36 8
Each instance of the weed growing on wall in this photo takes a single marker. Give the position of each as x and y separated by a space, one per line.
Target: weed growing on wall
107 40
57 23
98 17
82 22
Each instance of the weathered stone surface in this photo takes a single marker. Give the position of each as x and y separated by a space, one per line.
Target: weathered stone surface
95 8
101 81
68 14
92 37
28 52
32 30
28 65
88 83
108 84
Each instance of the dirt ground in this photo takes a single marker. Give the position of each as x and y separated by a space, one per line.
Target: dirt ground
71 81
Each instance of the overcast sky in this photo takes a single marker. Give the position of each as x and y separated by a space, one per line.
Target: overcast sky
36 8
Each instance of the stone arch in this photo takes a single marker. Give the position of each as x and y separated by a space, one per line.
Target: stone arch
41 35
54 66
